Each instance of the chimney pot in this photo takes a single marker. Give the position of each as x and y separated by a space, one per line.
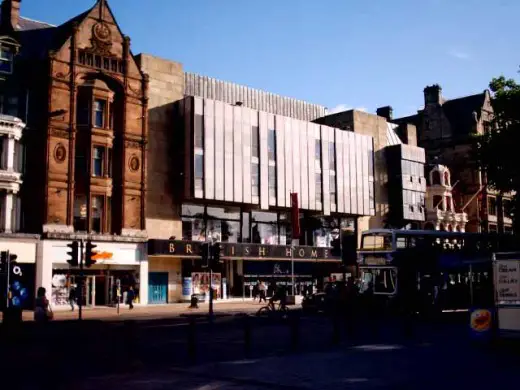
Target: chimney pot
385 112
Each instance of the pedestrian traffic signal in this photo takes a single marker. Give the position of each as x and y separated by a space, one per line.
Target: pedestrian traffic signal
348 247
90 254
216 253
336 247
4 261
73 261
205 254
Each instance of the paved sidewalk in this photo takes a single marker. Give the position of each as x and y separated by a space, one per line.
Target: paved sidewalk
149 312
378 366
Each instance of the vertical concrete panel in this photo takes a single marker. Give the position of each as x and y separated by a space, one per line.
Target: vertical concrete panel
338 145
325 177
280 159
187 112
359 172
264 161
237 155
219 150
288 160
366 183
247 153
209 149
353 177
228 154
304 166
296 176
311 172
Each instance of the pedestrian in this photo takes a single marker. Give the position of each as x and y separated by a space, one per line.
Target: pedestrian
42 310
262 292
130 295
72 296
256 291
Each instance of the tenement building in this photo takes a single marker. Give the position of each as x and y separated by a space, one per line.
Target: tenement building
13 135
444 129
85 142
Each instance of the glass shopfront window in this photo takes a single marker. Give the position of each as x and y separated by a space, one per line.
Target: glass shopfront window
200 223
325 228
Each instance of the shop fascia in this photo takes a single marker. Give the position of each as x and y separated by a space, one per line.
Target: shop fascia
234 251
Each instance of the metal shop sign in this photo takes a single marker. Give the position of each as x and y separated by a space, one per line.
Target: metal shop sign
241 251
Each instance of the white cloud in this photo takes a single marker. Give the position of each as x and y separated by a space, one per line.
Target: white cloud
459 54
344 107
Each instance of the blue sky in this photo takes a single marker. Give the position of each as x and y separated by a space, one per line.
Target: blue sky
338 53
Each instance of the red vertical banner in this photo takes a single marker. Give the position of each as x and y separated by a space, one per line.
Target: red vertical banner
295 215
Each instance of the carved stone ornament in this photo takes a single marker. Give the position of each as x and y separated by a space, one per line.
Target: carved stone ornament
134 163
132 144
101 39
59 133
60 153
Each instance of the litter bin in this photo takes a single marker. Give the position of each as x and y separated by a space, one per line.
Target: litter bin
194 302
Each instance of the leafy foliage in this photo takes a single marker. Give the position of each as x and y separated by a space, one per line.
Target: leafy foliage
497 151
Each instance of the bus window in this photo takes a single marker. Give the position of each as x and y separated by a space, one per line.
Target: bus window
381 280
377 241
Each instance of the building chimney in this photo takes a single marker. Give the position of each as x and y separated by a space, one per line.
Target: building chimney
433 94
10 14
386 112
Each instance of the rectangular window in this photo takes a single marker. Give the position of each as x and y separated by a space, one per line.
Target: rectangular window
332 188
106 63
272 182
318 187
97 215
255 152
492 206
98 158
113 64
271 145
332 156
255 179
317 153
199 131
99 113
80 213
507 208
109 162
90 59
6 60
199 172
82 58
97 60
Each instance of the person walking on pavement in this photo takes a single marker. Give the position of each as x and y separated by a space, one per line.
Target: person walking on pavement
42 310
261 291
130 295
72 296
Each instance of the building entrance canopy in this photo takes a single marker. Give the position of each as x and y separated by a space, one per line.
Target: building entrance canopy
234 251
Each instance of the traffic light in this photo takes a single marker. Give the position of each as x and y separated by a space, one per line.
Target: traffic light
205 254
216 253
336 247
4 261
90 254
73 261
348 247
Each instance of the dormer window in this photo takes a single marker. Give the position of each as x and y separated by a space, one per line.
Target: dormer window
6 60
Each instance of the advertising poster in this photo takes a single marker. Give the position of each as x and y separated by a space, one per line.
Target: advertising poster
200 283
186 287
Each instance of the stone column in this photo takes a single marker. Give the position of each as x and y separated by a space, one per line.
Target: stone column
43 270
143 282
8 212
10 154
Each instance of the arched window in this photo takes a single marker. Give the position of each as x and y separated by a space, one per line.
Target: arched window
448 203
442 228
436 178
446 178
450 228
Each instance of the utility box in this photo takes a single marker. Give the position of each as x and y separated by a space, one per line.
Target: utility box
506 277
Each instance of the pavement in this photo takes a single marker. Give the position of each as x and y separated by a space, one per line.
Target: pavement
453 364
149 312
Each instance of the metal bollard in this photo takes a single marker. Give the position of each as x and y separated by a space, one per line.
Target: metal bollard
336 332
192 343
295 332
247 336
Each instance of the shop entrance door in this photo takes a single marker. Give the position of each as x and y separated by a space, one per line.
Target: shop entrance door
88 295
157 287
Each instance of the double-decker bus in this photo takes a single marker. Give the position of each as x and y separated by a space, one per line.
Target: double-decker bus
439 270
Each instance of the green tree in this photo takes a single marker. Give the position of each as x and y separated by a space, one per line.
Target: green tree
497 151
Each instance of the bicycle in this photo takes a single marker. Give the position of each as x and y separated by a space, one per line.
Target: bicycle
272 308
